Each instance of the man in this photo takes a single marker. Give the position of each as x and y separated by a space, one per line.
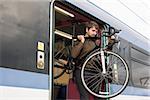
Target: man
79 52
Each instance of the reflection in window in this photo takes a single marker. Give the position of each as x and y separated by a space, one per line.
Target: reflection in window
140 75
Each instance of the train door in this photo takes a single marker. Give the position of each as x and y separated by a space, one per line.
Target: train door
69 21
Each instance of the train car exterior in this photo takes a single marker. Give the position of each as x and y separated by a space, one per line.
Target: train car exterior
27 42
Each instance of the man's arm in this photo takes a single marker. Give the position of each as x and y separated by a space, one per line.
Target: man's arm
76 49
78 46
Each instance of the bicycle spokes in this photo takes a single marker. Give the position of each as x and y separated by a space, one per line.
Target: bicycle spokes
110 83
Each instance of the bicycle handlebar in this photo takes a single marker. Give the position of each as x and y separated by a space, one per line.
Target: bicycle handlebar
111 32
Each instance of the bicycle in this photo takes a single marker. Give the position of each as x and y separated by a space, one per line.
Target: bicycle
104 73
62 59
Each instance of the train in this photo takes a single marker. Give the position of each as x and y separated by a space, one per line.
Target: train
28 32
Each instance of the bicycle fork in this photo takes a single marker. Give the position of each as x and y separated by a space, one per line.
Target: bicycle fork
103 62
104 73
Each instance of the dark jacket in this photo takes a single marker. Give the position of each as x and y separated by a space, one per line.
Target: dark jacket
81 50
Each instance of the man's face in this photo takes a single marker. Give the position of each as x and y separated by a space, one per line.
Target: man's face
91 32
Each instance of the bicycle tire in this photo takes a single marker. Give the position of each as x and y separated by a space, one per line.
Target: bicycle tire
96 83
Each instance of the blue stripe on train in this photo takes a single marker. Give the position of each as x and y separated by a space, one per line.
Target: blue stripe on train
18 78
130 90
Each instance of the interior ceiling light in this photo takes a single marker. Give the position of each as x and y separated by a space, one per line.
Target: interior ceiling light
64 11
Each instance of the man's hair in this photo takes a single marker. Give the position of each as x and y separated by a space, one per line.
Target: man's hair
91 24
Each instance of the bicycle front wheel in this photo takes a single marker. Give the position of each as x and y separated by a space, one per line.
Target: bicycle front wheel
107 85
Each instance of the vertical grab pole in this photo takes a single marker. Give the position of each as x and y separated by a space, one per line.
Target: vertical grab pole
51 29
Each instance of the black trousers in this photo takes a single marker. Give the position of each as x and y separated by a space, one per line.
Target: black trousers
84 94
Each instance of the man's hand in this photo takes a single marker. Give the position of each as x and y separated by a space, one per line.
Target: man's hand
81 38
